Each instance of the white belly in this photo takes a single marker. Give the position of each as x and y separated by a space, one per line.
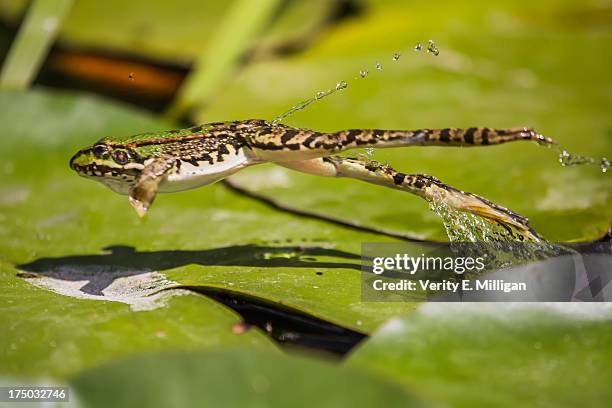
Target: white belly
190 176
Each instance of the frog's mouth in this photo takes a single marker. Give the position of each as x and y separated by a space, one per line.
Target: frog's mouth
117 178
78 160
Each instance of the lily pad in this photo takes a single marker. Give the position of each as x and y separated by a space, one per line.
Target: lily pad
87 238
257 380
503 355
500 65
45 334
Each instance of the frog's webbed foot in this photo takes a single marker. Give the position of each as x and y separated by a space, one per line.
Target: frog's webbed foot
143 193
427 187
471 203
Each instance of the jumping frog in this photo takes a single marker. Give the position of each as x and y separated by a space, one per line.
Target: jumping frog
143 165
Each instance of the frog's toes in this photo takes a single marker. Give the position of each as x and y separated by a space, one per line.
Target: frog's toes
140 206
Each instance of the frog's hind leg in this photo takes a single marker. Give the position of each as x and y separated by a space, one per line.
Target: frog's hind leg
280 143
427 187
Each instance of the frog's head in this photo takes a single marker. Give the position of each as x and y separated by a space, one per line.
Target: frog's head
115 166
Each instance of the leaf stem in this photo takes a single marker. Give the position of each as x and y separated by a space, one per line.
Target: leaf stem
32 43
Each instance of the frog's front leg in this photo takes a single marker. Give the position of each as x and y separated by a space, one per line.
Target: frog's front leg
427 187
143 192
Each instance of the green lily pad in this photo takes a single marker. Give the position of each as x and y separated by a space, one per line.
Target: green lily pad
255 380
63 227
500 64
45 334
502 355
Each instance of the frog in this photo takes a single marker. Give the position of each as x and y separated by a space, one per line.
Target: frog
143 165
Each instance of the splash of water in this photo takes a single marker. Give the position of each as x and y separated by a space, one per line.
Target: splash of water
569 159
499 243
466 227
305 103
342 85
507 249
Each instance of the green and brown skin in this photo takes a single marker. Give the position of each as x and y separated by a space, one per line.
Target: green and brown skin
145 164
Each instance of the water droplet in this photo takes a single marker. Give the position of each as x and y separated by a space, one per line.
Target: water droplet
564 157
359 322
418 47
378 66
373 164
341 85
369 151
568 159
363 73
304 104
605 165
432 48
396 56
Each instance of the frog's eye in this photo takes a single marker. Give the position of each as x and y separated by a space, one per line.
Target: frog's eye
121 156
99 150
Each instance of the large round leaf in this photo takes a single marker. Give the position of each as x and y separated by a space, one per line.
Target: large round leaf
502 355
234 379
